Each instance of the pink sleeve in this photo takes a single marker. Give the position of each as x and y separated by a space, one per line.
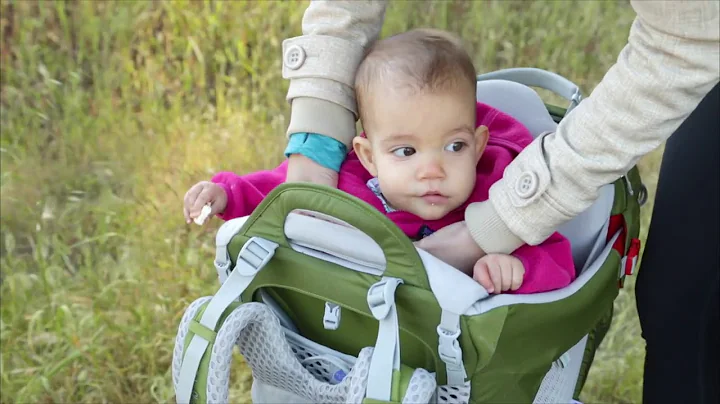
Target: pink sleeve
548 266
245 192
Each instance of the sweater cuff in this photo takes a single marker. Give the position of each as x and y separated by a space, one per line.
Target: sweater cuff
314 115
488 229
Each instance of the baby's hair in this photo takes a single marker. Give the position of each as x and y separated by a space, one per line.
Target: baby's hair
416 60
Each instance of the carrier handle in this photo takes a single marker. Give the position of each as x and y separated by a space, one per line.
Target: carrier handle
401 257
534 77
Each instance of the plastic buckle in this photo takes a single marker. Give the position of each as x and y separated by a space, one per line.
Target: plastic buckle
574 100
449 347
254 255
222 264
563 361
381 297
331 319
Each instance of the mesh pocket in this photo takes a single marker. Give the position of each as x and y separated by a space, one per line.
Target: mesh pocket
287 361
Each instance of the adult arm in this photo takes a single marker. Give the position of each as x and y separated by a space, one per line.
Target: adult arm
321 65
671 61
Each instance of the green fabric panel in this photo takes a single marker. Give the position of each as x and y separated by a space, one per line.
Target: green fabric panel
199 393
371 401
595 338
268 219
395 387
555 326
480 343
302 284
204 332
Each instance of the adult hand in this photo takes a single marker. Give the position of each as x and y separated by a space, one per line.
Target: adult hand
304 169
454 245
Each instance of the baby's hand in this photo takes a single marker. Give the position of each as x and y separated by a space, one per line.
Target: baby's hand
499 272
201 194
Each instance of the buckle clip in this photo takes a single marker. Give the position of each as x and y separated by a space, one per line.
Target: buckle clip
381 297
563 361
254 255
449 347
331 319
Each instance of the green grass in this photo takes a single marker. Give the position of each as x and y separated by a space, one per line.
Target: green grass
111 110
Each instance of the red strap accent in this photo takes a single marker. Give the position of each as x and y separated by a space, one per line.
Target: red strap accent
617 222
633 253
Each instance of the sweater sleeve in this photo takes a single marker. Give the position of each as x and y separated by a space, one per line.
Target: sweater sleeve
245 192
321 65
671 61
548 266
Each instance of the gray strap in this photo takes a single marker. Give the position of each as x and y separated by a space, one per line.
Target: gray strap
449 348
534 77
386 355
254 255
188 370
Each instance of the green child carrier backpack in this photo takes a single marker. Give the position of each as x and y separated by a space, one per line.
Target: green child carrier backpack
329 302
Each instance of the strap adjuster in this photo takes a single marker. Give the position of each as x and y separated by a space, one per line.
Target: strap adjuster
254 255
222 264
381 297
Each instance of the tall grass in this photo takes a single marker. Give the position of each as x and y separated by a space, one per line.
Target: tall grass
112 109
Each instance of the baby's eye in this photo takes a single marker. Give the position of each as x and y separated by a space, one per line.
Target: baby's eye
455 146
404 151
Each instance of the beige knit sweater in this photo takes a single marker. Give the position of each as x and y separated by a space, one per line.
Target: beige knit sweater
671 60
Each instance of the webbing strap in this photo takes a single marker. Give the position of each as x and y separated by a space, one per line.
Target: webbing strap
386 355
449 348
254 255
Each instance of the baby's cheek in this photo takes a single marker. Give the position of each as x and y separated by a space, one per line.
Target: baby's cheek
466 182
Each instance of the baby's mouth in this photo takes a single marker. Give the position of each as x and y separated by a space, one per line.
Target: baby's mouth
434 198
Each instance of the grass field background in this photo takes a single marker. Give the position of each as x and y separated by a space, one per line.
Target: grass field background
111 110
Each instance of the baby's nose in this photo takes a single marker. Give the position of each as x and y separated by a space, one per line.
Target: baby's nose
431 170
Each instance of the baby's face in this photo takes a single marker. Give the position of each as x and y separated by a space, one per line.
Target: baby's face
423 149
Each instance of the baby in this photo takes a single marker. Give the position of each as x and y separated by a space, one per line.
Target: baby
427 151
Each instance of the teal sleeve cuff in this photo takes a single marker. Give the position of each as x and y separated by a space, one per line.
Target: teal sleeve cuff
323 150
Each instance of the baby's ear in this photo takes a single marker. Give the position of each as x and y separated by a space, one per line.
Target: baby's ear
481 138
363 149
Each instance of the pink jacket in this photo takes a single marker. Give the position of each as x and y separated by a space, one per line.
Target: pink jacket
548 266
